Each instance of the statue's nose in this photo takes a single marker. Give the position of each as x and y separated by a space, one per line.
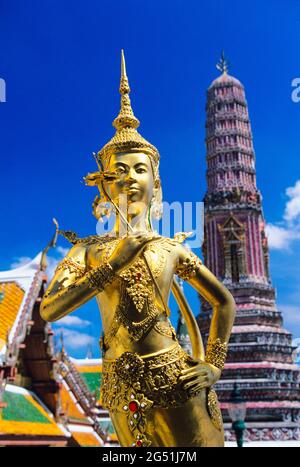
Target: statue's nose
130 176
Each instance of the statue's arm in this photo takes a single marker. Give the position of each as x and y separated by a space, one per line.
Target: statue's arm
205 374
69 288
191 269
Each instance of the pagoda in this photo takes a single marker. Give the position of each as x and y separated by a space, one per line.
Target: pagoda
235 249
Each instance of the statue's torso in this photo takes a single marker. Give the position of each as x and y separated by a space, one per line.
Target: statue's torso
133 314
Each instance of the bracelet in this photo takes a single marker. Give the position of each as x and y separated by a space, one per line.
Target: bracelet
100 276
216 353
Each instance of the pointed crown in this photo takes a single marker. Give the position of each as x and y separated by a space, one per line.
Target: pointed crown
126 137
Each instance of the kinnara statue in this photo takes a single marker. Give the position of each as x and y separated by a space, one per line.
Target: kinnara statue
156 394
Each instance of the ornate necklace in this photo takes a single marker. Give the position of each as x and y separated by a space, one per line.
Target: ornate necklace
137 286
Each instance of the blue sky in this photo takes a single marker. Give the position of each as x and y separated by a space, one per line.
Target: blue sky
60 61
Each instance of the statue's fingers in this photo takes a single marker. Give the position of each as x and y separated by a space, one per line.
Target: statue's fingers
199 368
188 377
203 385
198 381
198 387
192 374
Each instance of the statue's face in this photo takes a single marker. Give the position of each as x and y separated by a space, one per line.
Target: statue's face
135 177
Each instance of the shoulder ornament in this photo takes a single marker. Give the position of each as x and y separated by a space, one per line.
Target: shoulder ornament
180 237
188 267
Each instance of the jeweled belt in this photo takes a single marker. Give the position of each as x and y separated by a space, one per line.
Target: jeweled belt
155 375
133 384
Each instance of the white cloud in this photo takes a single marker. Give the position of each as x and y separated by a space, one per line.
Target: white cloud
62 251
280 238
51 266
291 313
74 321
292 208
52 262
284 233
21 261
75 340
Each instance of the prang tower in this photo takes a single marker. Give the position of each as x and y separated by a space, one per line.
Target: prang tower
236 250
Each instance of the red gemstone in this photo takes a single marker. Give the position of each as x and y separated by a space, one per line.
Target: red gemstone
133 406
139 443
138 276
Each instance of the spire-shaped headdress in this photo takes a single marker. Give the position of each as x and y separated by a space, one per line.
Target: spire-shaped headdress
127 137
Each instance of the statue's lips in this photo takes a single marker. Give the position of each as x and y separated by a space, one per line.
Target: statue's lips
132 190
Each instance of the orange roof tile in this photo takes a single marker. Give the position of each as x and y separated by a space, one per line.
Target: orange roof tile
86 439
22 404
69 406
9 307
97 368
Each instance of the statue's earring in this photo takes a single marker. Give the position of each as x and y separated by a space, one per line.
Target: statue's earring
156 207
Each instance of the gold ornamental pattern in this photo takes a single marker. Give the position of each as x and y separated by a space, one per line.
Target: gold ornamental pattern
160 383
214 409
216 353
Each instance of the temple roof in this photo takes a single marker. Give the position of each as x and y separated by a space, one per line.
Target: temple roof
16 290
71 407
22 275
11 298
225 80
91 371
264 364
259 328
23 417
26 415
86 437
107 427
266 404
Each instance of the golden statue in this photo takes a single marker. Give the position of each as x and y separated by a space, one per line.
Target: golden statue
156 394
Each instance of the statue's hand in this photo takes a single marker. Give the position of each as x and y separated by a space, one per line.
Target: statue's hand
202 375
129 248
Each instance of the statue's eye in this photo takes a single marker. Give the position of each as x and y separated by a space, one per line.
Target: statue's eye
141 170
120 171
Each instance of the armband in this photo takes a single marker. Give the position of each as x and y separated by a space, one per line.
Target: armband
101 276
188 267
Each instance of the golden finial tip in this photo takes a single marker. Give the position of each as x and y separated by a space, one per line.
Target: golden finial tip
123 64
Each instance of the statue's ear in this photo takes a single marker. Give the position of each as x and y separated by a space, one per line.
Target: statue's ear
156 184
156 205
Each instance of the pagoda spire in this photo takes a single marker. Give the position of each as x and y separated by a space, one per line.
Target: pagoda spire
223 64
235 249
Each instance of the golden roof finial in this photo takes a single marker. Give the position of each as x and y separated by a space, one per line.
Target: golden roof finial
223 64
